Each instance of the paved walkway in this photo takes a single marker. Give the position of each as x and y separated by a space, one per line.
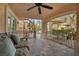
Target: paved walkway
44 47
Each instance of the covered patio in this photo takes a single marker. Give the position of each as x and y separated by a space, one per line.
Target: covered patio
52 32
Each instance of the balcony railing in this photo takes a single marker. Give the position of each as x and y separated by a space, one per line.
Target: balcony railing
64 39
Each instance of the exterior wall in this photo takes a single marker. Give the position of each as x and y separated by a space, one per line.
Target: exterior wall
4 12
18 25
2 18
9 13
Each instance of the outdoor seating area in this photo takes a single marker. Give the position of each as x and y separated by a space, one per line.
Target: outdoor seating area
12 46
36 29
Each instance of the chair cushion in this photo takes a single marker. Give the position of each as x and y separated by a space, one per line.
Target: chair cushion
22 49
15 38
22 52
6 46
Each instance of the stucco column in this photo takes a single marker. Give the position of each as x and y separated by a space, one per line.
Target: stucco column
76 43
44 29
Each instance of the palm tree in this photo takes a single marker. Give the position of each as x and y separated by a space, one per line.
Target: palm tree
73 21
72 18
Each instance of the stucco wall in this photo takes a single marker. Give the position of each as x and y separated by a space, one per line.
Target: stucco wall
2 18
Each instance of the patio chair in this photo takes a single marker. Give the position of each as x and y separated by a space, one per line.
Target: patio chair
8 48
22 48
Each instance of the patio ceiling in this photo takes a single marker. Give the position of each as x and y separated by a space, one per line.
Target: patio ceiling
20 9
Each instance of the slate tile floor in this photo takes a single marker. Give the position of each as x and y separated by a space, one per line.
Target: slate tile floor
44 47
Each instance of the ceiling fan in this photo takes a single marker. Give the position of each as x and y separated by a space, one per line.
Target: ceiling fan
39 5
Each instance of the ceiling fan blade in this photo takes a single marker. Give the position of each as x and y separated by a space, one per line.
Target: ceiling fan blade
48 7
38 4
39 9
30 8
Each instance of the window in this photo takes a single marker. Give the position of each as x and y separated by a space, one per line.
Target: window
10 25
